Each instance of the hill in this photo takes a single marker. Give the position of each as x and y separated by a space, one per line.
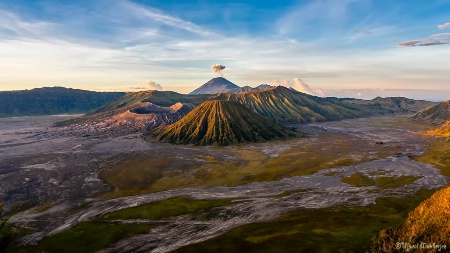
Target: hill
223 123
54 100
215 86
392 104
284 105
435 115
443 130
429 223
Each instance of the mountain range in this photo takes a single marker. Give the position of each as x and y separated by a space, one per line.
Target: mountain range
120 113
146 110
54 100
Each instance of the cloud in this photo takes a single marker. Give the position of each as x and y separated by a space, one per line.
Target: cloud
443 26
145 85
425 42
304 16
166 19
440 34
150 85
299 85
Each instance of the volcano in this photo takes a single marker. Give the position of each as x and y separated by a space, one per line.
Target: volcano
215 86
222 123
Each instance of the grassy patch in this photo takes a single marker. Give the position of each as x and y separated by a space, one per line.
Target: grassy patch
134 174
86 237
335 229
438 154
165 209
394 182
358 179
180 167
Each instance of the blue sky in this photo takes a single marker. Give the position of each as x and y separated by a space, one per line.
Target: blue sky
357 48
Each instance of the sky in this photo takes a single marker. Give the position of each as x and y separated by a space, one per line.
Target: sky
351 48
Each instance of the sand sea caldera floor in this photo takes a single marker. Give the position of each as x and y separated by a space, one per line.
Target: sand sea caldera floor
67 180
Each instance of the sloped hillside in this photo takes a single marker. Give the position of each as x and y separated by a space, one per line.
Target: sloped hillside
435 115
223 123
443 130
131 101
287 106
429 223
388 105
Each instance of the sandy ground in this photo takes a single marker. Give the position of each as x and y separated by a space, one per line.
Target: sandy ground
40 164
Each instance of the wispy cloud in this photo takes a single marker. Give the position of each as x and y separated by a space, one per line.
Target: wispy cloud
425 42
165 19
12 26
302 16
443 26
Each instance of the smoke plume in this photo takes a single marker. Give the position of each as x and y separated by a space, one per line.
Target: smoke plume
299 85
217 69
150 85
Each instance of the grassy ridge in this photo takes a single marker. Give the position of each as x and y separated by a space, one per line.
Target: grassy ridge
435 115
442 131
428 223
286 106
223 123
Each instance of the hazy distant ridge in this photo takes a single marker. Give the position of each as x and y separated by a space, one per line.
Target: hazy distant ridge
54 100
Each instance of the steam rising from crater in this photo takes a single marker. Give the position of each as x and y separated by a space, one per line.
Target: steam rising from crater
218 69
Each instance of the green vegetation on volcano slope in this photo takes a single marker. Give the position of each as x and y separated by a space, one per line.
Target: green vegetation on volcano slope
287 106
333 229
52 100
429 223
435 115
223 123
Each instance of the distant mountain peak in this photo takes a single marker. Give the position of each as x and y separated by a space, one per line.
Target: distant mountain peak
214 86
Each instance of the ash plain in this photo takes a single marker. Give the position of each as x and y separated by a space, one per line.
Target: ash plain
52 176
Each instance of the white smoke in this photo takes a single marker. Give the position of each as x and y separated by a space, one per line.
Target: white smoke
150 85
299 85
217 69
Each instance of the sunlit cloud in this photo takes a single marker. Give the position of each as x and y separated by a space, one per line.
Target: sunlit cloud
443 26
